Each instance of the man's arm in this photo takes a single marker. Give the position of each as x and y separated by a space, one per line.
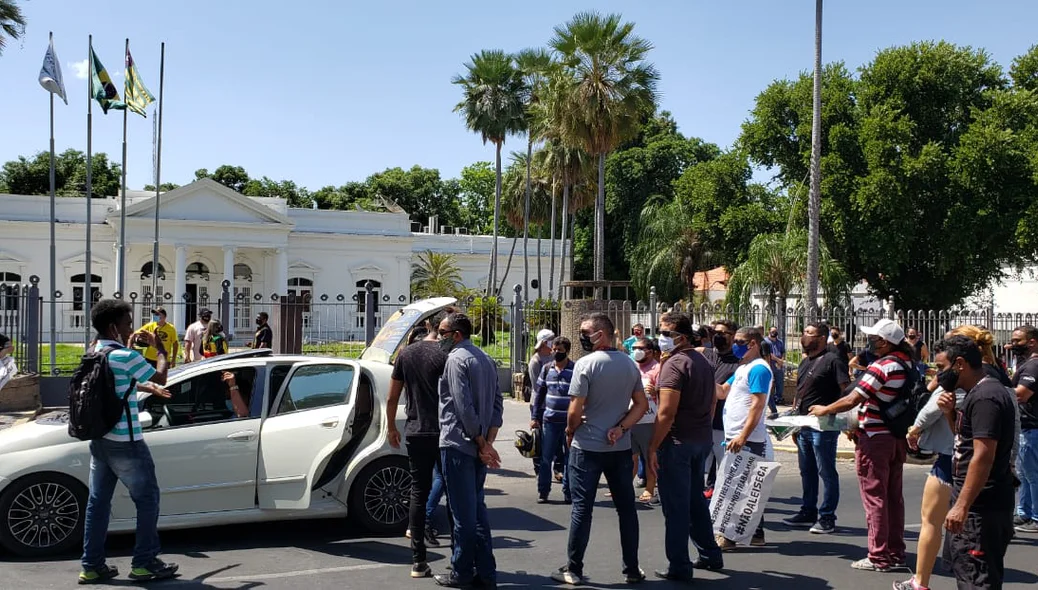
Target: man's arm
1026 381
976 476
161 366
574 417
497 419
759 382
392 401
666 412
464 403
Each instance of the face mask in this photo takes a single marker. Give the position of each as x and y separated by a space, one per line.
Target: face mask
948 380
720 341
560 356
446 344
155 318
586 344
638 356
740 350
259 322
666 343
1019 349
808 344
871 347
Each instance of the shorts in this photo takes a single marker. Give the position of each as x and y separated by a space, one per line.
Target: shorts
641 438
942 469
977 554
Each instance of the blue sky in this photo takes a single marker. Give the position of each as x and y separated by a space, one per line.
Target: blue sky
334 91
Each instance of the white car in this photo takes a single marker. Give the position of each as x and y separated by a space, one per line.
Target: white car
314 446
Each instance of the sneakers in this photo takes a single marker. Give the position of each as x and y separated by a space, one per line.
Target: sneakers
564 576
758 539
98 575
824 526
868 566
635 577
707 564
430 538
725 543
156 570
407 533
421 570
909 584
1028 527
800 519
1019 520
542 499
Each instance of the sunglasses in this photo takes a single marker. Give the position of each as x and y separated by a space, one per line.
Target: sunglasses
669 333
445 332
741 342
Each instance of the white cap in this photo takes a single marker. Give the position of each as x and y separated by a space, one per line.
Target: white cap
544 336
887 330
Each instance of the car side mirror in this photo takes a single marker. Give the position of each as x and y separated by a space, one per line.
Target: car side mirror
145 419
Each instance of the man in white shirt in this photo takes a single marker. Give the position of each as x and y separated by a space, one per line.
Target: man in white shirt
746 393
193 336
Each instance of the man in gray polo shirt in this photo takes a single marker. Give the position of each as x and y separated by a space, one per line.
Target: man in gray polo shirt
607 401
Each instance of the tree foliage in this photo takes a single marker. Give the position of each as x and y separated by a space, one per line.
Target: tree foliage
435 274
12 22
31 176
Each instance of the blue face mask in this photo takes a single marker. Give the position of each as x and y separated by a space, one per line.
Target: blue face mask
155 318
740 350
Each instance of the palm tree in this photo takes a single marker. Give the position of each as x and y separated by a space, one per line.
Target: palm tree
435 274
534 65
669 252
815 202
12 22
525 191
611 89
493 106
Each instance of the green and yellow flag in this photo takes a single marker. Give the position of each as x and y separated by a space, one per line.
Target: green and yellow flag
101 87
137 96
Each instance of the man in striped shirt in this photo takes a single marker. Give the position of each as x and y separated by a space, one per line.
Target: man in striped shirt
548 411
880 455
122 455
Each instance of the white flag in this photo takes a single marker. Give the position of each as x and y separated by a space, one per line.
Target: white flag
50 73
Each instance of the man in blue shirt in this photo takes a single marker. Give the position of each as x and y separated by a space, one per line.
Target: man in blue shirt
778 370
122 455
548 412
471 412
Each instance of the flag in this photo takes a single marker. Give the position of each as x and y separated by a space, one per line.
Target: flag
101 87
50 73
137 96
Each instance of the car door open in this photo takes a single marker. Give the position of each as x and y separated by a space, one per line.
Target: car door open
311 418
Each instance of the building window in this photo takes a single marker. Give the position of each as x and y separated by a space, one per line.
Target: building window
146 271
302 288
9 290
242 272
242 307
77 291
362 292
197 270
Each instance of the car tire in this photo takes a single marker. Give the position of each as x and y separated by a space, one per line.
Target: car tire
381 496
42 515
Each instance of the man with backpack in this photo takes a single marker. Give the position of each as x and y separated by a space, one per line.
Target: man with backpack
103 409
880 393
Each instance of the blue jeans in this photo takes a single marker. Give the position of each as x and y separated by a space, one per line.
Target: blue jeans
817 453
435 495
1027 471
473 552
130 463
553 438
686 512
779 389
586 469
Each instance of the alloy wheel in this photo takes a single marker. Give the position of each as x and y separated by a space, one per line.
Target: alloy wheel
43 515
387 495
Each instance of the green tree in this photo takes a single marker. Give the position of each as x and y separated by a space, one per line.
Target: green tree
282 189
477 184
435 274
12 23
31 176
233 177
669 252
166 187
611 89
1024 70
493 106
419 191
535 66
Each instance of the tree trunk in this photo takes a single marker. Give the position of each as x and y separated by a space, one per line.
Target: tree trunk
815 200
551 248
565 229
526 223
599 266
508 267
492 279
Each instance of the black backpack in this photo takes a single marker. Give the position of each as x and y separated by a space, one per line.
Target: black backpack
93 408
900 414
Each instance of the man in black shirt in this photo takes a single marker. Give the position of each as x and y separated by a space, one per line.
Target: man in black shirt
1024 345
980 522
264 335
417 372
724 367
821 378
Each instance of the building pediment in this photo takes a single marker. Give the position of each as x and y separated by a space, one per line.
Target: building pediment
10 257
206 201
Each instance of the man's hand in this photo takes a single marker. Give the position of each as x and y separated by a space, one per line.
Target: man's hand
946 402
534 424
736 444
148 338
818 411
913 440
162 392
248 345
614 434
394 436
569 437
488 455
956 519
654 464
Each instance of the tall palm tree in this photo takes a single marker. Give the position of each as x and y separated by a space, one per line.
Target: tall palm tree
12 22
493 106
815 202
534 65
435 274
669 252
611 89
525 194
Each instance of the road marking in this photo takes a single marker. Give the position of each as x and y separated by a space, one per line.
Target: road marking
297 573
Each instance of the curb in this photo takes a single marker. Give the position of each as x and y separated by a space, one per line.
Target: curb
840 453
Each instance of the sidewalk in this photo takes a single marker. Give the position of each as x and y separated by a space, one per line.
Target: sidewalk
9 419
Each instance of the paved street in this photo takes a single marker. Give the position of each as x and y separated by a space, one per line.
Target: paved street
529 541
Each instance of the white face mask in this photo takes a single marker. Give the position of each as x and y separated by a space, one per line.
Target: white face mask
639 355
666 343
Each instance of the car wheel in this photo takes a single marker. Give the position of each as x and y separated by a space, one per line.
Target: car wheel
381 496
42 515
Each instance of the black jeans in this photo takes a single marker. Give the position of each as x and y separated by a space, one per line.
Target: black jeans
423 453
977 554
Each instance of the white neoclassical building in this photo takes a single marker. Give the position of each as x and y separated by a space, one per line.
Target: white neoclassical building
210 234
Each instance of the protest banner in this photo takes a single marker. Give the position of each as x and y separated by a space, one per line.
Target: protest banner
744 483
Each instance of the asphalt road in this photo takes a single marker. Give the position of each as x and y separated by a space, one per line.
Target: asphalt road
529 543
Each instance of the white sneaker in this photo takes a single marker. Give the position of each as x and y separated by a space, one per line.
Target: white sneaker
565 576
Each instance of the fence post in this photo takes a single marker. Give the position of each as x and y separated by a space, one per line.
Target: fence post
225 305
33 327
517 330
369 313
650 330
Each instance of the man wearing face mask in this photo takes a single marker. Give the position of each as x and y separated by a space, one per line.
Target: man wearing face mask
166 334
681 443
641 435
980 521
880 456
1024 345
724 367
549 411
471 408
264 335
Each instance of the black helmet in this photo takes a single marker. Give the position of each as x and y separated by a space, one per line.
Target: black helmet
528 443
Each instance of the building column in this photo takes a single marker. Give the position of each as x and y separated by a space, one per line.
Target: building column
179 288
228 275
282 272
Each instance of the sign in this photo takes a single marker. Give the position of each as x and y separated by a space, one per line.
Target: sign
744 483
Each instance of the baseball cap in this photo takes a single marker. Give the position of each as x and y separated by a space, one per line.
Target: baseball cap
544 336
159 310
205 311
887 330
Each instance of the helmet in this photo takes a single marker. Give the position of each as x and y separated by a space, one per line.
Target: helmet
528 443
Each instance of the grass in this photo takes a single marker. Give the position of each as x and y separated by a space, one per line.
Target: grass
66 358
340 349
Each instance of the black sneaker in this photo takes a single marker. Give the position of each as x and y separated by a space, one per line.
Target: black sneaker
824 526
1019 520
708 564
801 519
155 570
430 538
635 577
542 499
98 575
421 570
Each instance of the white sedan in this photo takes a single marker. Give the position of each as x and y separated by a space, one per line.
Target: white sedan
314 446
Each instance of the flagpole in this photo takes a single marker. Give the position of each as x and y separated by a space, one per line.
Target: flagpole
53 249
121 263
158 176
88 298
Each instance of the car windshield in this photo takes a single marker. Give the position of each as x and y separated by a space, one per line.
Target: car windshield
223 357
